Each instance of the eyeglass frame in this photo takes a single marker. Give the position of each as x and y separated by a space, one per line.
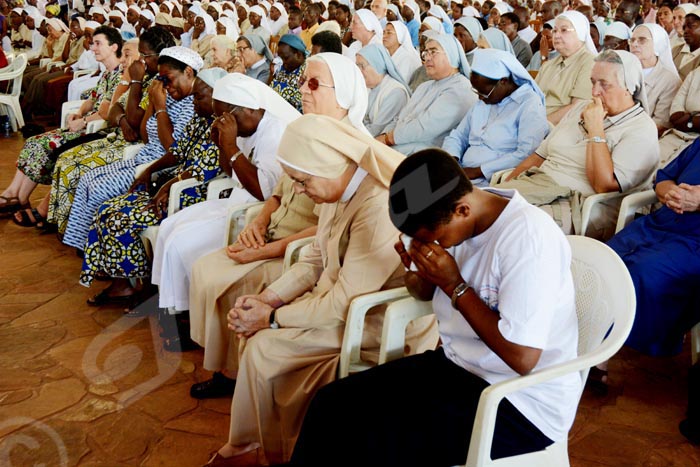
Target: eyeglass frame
486 96
564 30
303 79
430 53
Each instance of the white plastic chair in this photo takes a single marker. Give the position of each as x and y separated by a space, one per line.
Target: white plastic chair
604 298
628 209
293 250
71 107
79 73
14 73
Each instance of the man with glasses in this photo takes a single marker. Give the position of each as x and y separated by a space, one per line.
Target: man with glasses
506 125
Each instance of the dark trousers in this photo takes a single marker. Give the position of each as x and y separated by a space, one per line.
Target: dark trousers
415 411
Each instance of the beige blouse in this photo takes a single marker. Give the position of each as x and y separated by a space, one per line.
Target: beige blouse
563 80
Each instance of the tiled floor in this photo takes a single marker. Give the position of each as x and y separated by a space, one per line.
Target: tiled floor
87 386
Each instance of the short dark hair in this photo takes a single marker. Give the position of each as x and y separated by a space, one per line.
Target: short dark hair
512 17
158 38
345 8
295 10
425 190
113 37
328 41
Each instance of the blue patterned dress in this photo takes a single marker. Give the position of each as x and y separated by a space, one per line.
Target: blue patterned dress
106 182
114 245
286 84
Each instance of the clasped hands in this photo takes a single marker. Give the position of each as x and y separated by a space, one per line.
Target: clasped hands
249 314
683 198
433 263
250 245
224 132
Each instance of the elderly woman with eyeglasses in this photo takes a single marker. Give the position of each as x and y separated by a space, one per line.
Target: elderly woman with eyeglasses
565 80
606 144
255 57
506 125
438 105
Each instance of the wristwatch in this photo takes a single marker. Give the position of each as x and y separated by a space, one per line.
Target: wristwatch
460 290
273 322
690 123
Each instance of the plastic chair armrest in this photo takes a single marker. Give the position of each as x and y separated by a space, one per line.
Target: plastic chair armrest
176 190
590 203
631 204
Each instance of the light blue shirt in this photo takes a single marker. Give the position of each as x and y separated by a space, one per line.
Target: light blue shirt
413 27
499 136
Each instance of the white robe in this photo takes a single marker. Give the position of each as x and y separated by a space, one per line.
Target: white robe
199 229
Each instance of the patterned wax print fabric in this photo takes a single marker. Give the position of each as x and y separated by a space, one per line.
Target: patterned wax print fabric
114 244
286 84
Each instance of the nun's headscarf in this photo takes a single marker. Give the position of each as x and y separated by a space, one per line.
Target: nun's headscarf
454 52
230 25
404 37
244 91
503 7
662 46
370 21
472 25
57 24
620 30
379 59
258 44
99 10
162 19
687 7
209 24
322 146
350 89
264 23
470 11
211 75
634 77
215 6
395 10
81 22
281 21
497 39
602 28
91 25
582 27
438 12
148 14
496 64
434 24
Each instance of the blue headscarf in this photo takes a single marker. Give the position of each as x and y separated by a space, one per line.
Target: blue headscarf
496 64
454 51
294 42
258 44
379 59
497 39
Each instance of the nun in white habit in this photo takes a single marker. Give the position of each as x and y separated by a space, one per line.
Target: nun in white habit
199 230
366 29
406 58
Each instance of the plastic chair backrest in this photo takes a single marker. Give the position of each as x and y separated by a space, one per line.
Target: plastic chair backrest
14 72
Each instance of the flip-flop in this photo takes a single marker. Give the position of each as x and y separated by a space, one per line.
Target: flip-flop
25 220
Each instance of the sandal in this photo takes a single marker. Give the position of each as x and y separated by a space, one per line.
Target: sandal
25 219
104 298
46 227
11 205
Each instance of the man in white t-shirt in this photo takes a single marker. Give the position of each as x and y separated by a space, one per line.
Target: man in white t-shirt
498 272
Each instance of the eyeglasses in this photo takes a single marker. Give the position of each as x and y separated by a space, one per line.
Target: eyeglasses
313 83
149 55
562 30
430 53
485 96
638 40
241 49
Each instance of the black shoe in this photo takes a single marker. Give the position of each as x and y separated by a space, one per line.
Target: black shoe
690 430
218 386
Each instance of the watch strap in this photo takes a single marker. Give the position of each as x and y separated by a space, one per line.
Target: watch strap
458 291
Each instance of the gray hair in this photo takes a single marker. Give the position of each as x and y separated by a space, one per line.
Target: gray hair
609 56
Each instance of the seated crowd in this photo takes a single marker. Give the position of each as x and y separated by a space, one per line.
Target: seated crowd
478 133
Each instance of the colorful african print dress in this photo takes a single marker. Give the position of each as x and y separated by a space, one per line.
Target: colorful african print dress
114 244
35 157
74 163
286 84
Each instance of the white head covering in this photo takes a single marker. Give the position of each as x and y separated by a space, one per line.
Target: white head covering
148 15
455 53
472 25
602 27
496 64
586 2
211 75
244 91
634 77
687 7
230 25
169 5
266 4
117 14
136 8
264 22
503 7
471 11
438 12
209 25
57 24
582 27
414 7
185 55
331 26
99 10
395 10
350 89
281 21
121 6
91 25
434 24
404 38
662 46
620 30
215 6
231 14
370 21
